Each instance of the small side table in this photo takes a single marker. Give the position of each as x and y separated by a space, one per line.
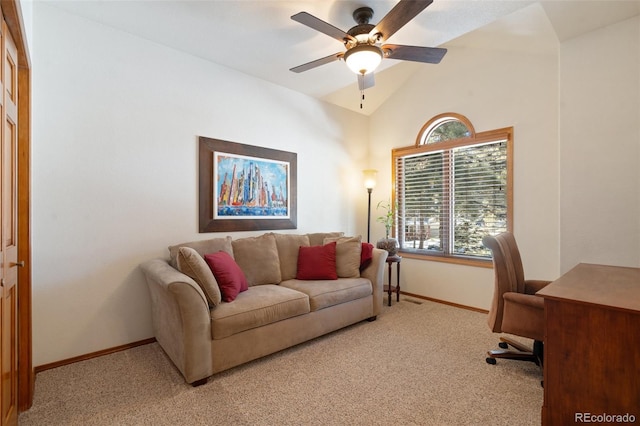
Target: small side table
389 288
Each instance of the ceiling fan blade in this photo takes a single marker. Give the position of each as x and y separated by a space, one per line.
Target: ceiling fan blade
366 81
322 26
401 13
430 55
317 62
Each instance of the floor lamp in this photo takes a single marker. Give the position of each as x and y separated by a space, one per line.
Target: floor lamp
369 183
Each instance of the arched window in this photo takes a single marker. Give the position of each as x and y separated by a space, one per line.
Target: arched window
445 127
452 187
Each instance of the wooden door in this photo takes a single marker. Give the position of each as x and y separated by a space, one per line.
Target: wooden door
9 231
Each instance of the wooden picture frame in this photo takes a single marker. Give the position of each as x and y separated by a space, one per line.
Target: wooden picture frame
245 187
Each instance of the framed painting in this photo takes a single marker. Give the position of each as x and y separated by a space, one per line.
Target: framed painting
245 187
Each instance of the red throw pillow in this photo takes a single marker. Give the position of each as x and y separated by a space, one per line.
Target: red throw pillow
229 276
317 262
366 255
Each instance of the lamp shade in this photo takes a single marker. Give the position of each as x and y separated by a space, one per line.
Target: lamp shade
363 59
369 178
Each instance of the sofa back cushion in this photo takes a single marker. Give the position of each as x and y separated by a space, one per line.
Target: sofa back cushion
202 247
288 247
258 259
348 255
190 263
317 239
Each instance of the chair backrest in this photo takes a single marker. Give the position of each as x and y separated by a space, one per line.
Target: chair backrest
508 271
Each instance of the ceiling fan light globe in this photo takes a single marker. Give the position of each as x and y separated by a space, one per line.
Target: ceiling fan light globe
363 59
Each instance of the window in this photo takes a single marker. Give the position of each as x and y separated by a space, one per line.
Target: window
452 188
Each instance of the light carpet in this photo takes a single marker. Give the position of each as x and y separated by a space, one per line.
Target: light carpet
417 364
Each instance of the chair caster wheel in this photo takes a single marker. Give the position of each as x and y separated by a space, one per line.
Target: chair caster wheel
491 361
503 345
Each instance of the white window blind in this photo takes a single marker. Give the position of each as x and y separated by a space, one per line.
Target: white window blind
447 200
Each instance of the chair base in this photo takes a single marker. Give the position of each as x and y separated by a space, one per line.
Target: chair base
522 352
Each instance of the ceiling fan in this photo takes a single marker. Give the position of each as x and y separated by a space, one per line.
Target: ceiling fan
364 41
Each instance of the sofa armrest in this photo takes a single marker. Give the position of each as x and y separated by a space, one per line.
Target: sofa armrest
375 273
181 319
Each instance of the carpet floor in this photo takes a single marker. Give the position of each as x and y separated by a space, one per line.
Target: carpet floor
419 363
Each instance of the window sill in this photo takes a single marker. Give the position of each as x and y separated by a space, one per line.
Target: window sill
458 260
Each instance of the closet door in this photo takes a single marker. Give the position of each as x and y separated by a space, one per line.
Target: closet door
9 230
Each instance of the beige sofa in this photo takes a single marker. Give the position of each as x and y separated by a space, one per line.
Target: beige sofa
203 334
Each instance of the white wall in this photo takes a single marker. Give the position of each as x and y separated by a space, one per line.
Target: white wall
493 88
115 127
600 147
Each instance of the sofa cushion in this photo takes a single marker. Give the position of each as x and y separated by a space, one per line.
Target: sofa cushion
202 247
325 293
258 306
317 239
228 274
348 253
317 263
288 245
190 263
258 259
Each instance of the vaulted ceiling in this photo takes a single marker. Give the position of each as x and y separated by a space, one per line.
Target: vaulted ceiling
259 38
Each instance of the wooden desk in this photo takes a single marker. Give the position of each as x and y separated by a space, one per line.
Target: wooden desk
592 345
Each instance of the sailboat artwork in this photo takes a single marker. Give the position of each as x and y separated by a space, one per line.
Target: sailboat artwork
250 187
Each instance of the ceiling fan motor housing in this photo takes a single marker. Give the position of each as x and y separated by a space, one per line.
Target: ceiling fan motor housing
361 29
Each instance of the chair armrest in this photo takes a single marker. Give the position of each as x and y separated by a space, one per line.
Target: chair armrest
523 315
375 273
529 300
533 286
